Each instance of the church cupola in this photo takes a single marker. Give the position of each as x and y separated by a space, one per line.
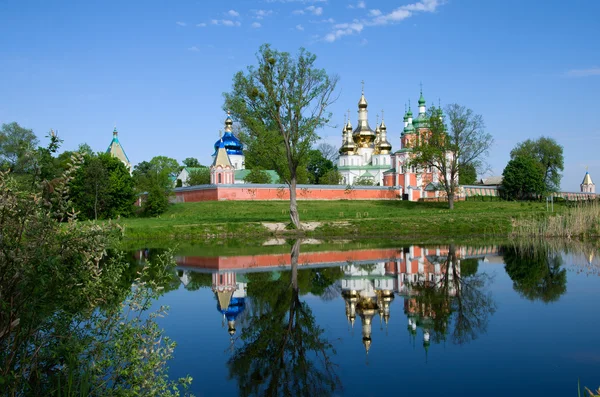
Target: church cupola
384 146
348 145
116 150
421 102
363 134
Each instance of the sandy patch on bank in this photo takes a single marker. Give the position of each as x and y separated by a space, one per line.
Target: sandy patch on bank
280 226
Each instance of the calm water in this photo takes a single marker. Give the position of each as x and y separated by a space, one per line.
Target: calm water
355 321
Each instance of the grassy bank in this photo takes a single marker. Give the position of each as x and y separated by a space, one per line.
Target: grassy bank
580 221
400 219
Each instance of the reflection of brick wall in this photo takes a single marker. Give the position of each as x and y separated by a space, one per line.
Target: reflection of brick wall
275 192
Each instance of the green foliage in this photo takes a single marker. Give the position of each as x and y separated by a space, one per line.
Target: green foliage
280 104
522 178
103 188
445 149
191 162
155 202
467 174
199 176
536 273
468 267
364 181
155 178
63 330
17 147
548 154
331 177
317 166
257 176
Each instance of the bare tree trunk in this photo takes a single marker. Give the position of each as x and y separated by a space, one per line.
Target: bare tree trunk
451 200
294 216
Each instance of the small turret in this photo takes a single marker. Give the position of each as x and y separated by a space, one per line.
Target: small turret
384 146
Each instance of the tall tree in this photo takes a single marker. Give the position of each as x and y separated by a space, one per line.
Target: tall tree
467 174
257 176
329 151
191 162
17 147
549 154
283 100
464 143
156 178
102 188
522 178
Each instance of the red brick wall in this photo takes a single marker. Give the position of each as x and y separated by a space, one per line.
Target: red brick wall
188 195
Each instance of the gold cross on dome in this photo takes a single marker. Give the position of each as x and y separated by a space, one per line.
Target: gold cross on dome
363 86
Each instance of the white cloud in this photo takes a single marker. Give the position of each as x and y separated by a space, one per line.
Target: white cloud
256 25
233 13
310 9
201 25
360 4
193 48
181 23
378 18
225 22
260 14
584 72
315 10
300 27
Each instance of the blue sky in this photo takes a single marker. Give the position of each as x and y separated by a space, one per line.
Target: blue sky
158 68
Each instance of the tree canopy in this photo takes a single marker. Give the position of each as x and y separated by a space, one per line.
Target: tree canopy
445 149
191 162
317 166
548 154
17 146
257 176
522 178
199 176
281 103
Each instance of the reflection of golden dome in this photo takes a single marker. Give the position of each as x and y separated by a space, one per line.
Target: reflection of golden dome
367 343
231 327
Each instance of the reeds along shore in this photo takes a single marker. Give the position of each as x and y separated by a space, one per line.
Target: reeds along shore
581 221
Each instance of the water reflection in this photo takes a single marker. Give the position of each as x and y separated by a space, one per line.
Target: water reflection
279 340
537 272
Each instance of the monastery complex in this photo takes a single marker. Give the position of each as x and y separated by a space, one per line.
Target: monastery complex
364 155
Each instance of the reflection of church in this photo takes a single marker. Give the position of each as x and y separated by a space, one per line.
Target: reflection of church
231 297
368 290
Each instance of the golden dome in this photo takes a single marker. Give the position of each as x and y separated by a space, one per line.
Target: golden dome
362 103
367 343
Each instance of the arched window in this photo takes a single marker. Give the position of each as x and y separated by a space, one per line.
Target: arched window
219 178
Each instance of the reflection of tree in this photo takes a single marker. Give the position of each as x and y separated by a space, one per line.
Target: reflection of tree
284 352
535 272
457 300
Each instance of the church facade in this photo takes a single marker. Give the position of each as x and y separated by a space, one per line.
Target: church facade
366 155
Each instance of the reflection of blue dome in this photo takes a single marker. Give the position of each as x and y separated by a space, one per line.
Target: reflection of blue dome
231 143
236 306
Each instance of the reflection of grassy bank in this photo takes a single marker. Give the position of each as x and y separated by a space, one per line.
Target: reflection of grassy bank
205 220
582 221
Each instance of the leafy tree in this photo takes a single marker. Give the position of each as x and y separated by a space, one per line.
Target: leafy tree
281 103
537 274
328 151
467 174
522 178
257 176
199 176
549 154
68 323
191 162
102 188
464 143
156 179
331 177
84 149
17 147
317 166
364 181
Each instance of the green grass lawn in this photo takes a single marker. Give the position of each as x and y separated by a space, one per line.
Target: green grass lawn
338 218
